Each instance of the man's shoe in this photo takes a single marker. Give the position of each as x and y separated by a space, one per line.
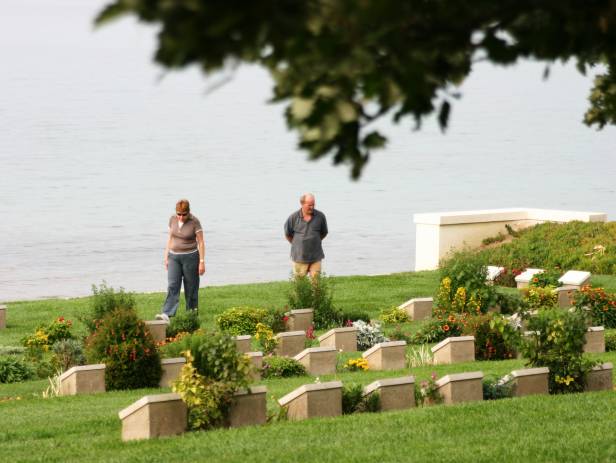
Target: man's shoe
162 316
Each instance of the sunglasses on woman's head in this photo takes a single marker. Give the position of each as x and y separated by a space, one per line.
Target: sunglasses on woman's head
181 214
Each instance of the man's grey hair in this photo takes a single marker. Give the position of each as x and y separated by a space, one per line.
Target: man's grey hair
302 198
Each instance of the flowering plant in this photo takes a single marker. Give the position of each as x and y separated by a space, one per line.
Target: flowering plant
427 392
265 338
600 305
540 297
359 364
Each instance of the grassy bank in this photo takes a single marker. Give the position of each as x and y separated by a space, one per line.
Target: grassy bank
541 428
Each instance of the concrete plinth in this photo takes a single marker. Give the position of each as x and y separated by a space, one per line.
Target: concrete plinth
395 393
242 343
248 407
342 339
456 349
290 343
523 279
318 360
530 381
83 379
419 308
493 273
575 279
2 317
312 400
158 329
461 387
600 378
171 370
386 356
300 320
595 340
154 416
256 359
566 296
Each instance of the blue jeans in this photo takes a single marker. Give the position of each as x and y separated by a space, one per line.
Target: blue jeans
182 267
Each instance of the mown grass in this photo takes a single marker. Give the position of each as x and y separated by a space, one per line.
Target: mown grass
546 428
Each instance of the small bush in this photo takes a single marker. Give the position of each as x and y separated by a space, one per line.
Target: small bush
426 392
238 321
122 342
507 277
282 367
444 325
14 370
214 370
557 342
349 316
610 340
353 400
540 298
495 388
275 319
67 353
600 306
465 269
495 338
316 293
544 279
265 339
394 315
46 335
105 300
358 364
510 303
368 335
187 322
494 239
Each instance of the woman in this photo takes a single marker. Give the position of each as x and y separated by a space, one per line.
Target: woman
184 260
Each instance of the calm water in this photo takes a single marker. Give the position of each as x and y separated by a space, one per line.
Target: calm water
97 144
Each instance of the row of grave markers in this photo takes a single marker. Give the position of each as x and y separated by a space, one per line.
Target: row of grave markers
166 414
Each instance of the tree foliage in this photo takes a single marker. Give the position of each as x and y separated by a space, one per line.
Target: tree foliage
342 64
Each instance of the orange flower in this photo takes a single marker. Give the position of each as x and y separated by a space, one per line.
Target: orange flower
452 318
445 327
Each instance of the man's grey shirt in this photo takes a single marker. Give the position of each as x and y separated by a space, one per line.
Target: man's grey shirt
306 245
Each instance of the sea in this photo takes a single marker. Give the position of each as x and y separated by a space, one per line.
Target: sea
97 143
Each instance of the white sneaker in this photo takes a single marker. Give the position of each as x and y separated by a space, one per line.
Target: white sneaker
162 316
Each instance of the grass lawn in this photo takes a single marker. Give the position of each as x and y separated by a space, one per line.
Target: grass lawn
87 428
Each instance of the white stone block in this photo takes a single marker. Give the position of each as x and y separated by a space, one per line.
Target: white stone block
575 278
523 279
494 272
419 308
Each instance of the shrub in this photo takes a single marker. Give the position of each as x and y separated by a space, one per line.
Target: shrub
510 303
67 353
347 317
368 334
353 400
265 338
610 340
394 315
426 392
495 388
495 338
465 269
275 319
105 300
507 277
499 238
445 324
557 342
419 356
214 370
601 306
282 367
540 298
238 321
544 279
123 343
187 322
44 337
316 293
14 370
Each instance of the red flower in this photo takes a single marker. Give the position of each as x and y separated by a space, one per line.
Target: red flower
445 327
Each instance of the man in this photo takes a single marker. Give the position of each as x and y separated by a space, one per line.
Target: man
305 229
